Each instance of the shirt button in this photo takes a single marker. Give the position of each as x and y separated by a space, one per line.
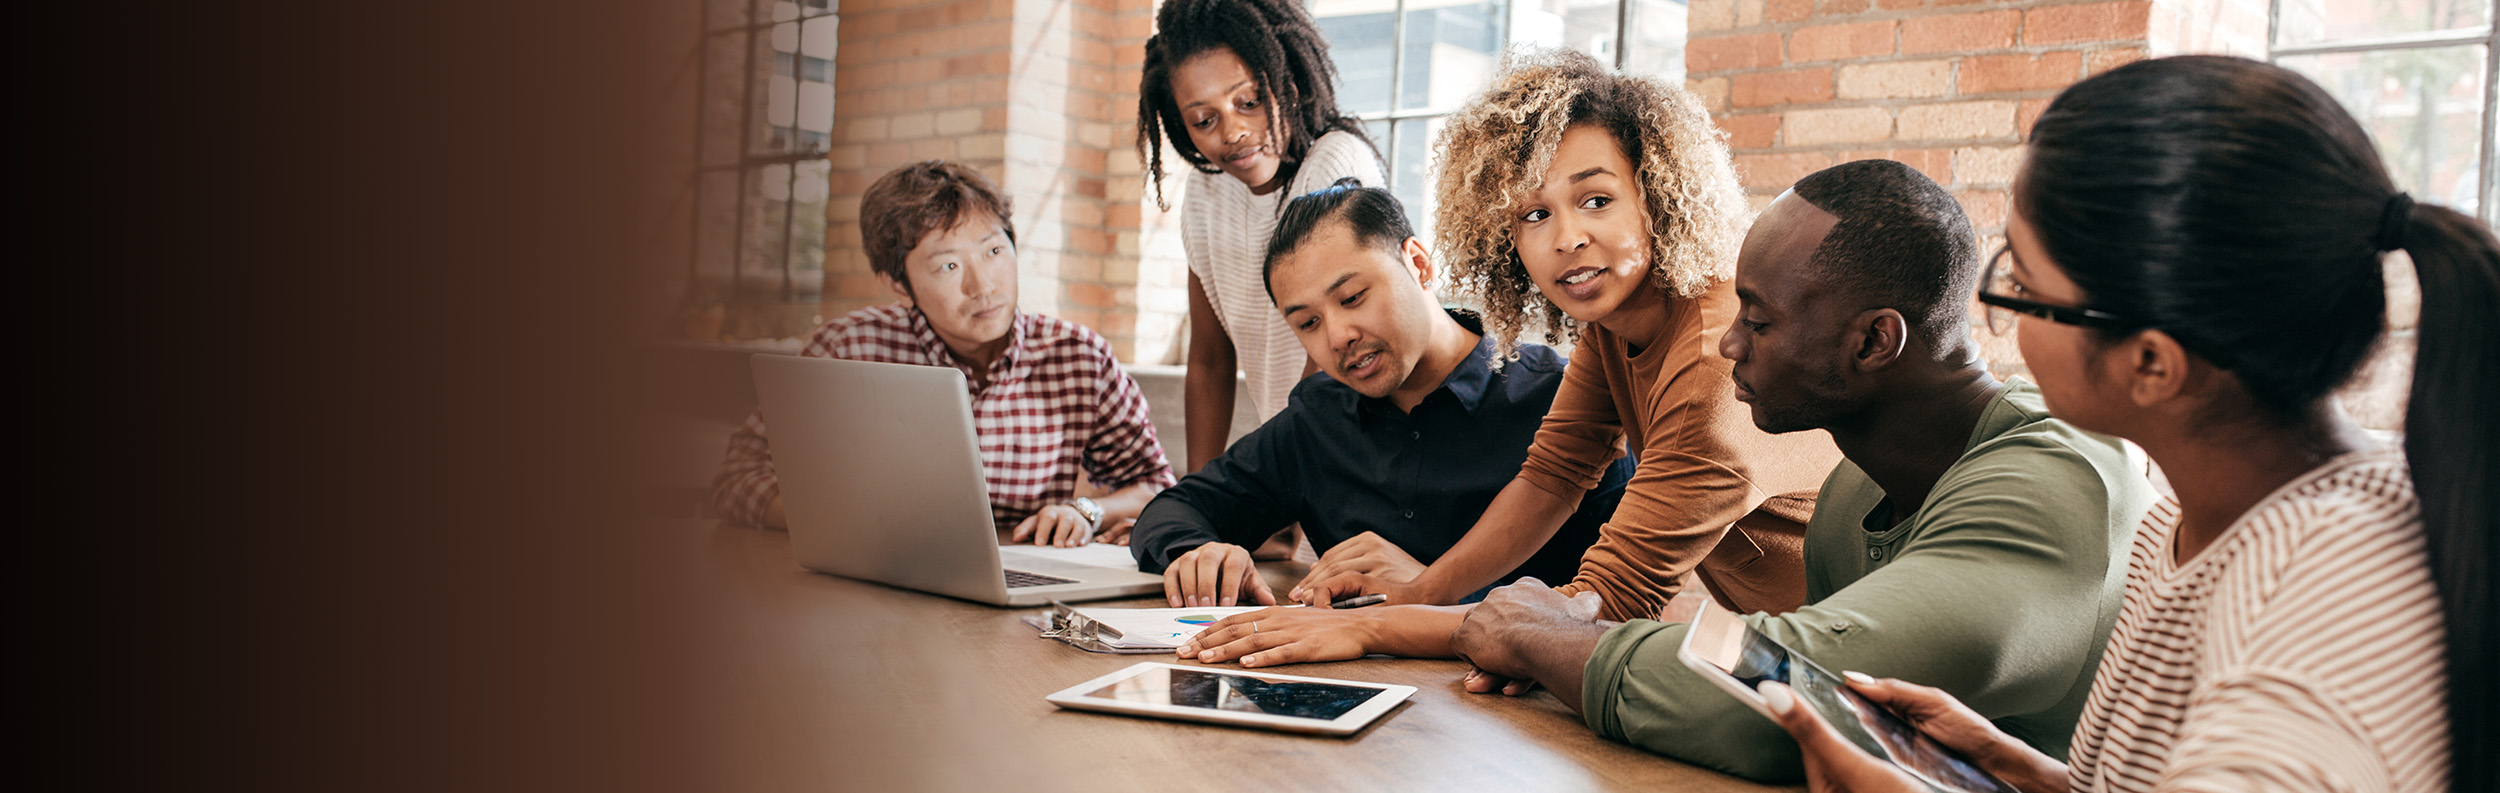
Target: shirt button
1410 514
1415 436
1875 553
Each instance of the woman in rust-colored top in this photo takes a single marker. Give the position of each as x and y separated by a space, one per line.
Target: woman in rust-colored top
1578 199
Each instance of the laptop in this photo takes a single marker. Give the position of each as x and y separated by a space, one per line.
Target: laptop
881 480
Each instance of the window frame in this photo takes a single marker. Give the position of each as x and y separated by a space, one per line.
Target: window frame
2488 37
1389 121
749 164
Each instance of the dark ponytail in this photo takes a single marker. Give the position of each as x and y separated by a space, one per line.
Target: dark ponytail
2452 429
2238 208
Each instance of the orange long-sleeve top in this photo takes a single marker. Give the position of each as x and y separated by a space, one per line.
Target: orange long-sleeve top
1703 464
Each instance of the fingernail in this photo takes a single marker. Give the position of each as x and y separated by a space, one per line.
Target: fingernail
1249 660
1857 677
1206 655
1776 696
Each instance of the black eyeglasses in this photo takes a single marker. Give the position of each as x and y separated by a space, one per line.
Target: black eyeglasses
1998 294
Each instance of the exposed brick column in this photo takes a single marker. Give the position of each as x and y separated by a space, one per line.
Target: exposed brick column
1946 86
1071 105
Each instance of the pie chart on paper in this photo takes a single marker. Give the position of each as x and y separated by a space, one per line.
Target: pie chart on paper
1195 619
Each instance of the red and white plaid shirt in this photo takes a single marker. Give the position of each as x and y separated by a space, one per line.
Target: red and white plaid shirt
1056 401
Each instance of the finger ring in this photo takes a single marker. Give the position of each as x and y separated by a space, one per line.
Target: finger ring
1254 626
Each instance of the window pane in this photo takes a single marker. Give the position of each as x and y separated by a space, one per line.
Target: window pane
715 236
1411 171
1584 25
2323 21
807 230
1655 44
1360 34
760 265
2424 109
1378 131
1450 49
780 106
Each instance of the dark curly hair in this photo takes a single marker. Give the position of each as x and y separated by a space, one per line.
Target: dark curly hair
1285 53
1493 152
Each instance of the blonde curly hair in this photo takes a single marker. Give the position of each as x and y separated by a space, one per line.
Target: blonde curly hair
1493 153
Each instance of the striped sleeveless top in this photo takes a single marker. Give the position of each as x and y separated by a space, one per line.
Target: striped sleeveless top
2301 651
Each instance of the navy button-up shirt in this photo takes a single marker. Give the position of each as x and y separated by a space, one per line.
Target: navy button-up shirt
1342 464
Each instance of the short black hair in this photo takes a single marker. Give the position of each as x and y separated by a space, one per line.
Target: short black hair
1372 213
1902 242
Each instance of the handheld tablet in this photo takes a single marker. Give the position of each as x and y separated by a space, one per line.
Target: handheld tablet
1726 650
1240 698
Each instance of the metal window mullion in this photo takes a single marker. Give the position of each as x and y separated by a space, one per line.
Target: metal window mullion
789 215
746 128
790 184
1623 33
2274 27
2445 38
1397 64
1509 8
2491 126
694 219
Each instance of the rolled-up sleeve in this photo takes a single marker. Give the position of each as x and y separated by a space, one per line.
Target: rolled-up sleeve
1684 493
2001 603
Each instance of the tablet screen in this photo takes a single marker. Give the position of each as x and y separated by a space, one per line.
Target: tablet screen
1198 688
1856 718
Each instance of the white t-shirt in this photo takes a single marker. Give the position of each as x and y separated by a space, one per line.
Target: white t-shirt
1225 230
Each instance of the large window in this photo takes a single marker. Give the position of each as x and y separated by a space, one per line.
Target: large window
764 111
1408 63
2418 74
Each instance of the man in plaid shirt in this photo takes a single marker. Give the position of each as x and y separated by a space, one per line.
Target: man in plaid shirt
1048 398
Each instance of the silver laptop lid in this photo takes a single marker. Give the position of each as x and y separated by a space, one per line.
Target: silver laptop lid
881 473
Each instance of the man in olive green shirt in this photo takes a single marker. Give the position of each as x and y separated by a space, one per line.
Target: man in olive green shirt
1969 542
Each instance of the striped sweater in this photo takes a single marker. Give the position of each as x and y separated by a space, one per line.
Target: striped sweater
2303 650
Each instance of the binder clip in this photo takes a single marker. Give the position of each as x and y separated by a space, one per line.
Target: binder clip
1066 624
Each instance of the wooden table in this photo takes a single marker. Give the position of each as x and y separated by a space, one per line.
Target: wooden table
835 684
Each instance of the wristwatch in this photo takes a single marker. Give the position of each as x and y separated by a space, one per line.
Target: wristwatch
1092 512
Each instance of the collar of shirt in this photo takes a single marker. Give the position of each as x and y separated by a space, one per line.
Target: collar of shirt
1006 368
1465 383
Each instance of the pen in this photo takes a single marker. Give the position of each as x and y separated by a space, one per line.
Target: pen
1359 601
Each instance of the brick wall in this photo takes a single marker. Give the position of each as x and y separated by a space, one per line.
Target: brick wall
1947 86
1039 94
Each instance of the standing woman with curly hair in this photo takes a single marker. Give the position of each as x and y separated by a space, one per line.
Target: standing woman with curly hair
1244 92
1577 199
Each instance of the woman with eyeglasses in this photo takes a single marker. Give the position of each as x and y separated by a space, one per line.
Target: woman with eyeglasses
2194 263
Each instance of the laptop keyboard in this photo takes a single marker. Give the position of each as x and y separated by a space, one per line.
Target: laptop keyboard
1018 578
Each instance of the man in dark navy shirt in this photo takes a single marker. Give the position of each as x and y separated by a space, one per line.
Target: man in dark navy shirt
1396 447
